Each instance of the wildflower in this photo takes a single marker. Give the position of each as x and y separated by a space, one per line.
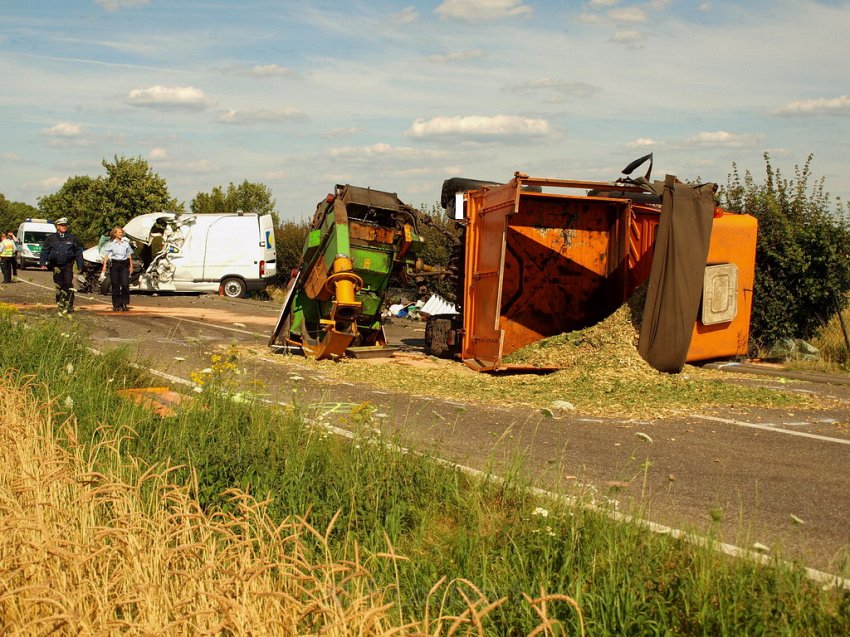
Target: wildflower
69 368
541 512
69 402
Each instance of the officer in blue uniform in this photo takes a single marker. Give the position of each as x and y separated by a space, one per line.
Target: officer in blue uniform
59 252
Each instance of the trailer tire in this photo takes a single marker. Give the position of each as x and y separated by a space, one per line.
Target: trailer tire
437 331
233 287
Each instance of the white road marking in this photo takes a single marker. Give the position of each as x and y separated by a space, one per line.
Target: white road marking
772 428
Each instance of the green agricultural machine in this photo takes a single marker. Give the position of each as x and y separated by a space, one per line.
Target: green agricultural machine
358 238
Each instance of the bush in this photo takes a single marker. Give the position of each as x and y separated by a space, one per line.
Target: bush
289 238
803 251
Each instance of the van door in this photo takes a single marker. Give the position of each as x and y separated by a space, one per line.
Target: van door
186 253
231 248
267 246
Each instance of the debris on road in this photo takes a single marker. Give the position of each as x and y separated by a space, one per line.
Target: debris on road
159 400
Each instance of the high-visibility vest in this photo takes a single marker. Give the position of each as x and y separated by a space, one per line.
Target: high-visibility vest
8 248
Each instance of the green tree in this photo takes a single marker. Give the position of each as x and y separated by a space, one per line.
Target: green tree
247 197
803 251
12 213
95 205
289 238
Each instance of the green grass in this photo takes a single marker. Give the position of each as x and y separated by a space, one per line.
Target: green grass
484 535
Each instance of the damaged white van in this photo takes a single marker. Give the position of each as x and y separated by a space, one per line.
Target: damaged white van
184 252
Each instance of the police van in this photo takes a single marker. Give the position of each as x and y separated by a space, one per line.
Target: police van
31 234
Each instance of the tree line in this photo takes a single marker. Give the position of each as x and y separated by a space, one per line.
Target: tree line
802 257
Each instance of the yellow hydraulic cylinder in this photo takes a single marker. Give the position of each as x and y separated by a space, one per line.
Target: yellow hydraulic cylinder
343 285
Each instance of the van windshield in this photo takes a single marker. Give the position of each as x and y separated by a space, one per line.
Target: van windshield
35 236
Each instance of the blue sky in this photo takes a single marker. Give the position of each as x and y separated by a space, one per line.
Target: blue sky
401 95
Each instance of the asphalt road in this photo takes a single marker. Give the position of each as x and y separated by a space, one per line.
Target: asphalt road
777 478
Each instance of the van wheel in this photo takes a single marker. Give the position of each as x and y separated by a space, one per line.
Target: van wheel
233 288
21 263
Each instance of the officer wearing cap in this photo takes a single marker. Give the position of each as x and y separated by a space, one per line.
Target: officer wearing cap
59 251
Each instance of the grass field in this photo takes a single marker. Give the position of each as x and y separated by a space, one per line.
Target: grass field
234 517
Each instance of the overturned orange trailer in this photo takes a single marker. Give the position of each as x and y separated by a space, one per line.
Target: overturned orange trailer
540 262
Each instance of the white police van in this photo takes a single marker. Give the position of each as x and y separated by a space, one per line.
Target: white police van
31 234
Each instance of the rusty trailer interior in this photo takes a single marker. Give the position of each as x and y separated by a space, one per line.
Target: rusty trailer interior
548 260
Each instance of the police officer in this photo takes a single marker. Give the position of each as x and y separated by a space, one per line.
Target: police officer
59 251
120 253
7 258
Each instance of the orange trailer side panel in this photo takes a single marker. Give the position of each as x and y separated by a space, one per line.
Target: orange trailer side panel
733 240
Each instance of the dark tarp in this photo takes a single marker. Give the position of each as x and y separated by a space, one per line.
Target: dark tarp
678 270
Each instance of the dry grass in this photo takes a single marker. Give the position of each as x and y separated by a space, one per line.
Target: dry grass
832 343
122 550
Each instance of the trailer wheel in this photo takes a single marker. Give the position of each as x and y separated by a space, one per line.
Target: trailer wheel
437 331
233 287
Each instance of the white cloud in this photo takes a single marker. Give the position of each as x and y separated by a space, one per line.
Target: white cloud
63 130
823 106
258 116
115 5
9 157
480 126
548 84
644 142
724 139
267 70
627 14
343 132
178 97
158 153
590 18
52 182
705 7
200 166
631 38
407 15
601 4
382 150
476 10
456 56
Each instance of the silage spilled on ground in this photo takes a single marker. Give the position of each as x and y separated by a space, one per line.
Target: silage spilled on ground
600 373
